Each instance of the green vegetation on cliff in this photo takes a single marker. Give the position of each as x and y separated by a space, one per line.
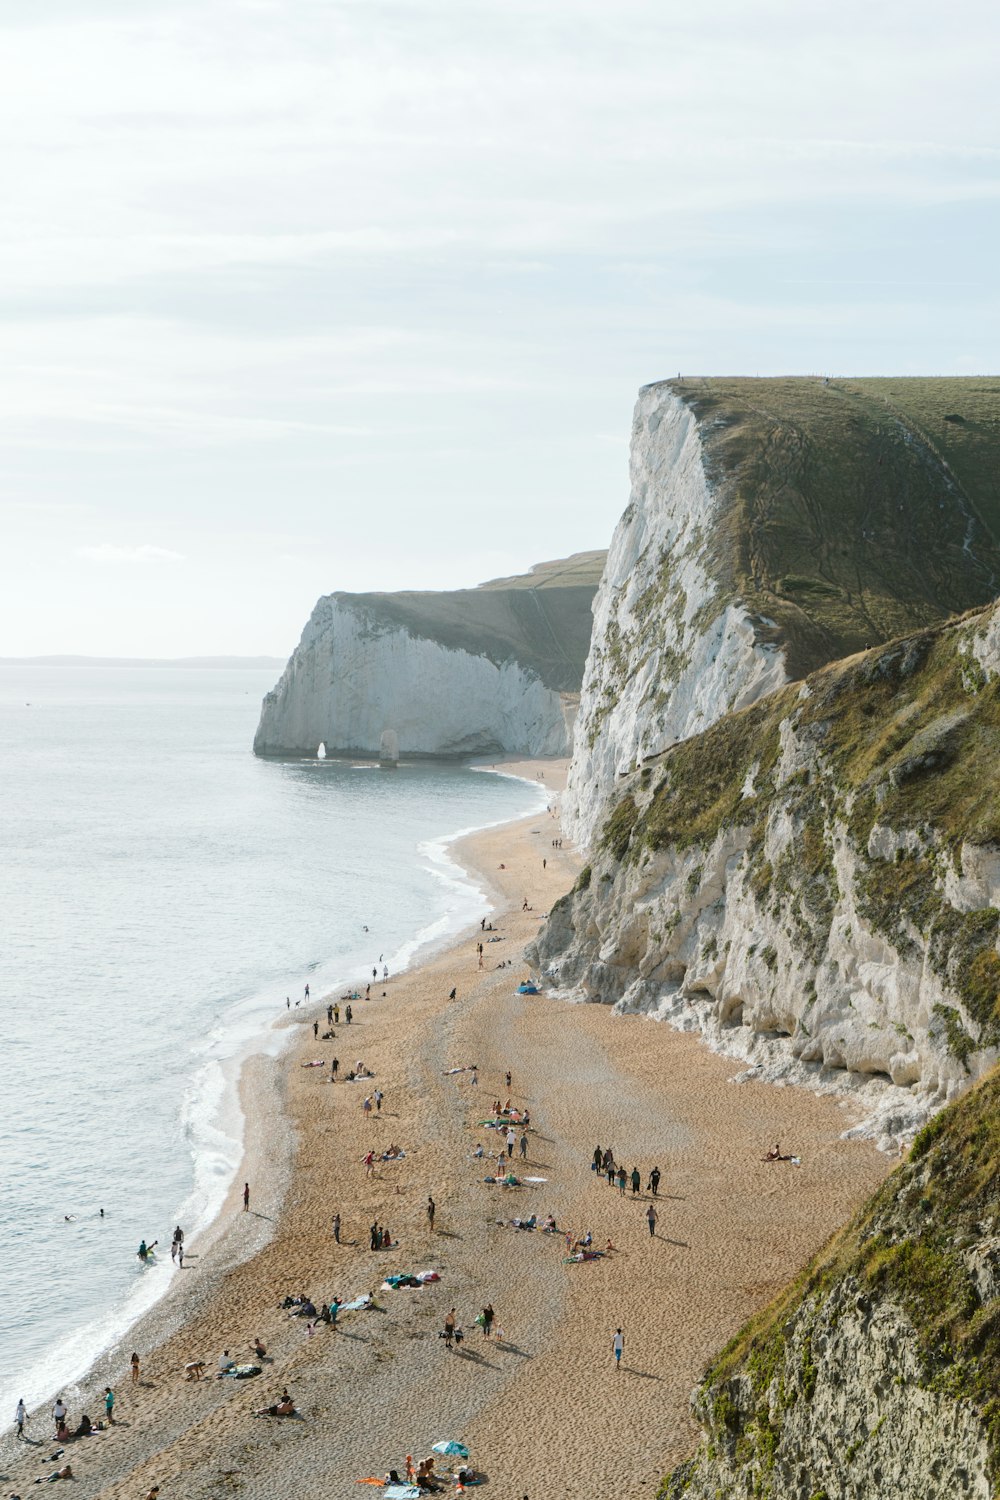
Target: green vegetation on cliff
926 1243
852 511
904 738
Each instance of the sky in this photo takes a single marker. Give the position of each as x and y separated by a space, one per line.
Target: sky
304 295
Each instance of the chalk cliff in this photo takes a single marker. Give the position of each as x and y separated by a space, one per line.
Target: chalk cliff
774 525
474 671
814 881
878 1371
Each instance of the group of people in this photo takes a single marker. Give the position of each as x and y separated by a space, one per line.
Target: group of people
604 1161
60 1417
424 1476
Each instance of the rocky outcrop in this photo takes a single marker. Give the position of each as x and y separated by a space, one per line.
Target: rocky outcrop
775 525
814 882
474 671
876 1373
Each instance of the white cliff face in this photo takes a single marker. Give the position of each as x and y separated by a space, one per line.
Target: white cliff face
805 930
352 677
827 1000
670 652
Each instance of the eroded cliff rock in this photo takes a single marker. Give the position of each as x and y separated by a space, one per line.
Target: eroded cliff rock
775 525
814 882
474 671
877 1373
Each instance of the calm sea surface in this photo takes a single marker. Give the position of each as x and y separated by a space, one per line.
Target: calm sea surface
161 893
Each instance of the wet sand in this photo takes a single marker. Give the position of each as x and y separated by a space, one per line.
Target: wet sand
545 1412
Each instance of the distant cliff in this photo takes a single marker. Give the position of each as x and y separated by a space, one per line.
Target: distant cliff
775 525
474 671
877 1373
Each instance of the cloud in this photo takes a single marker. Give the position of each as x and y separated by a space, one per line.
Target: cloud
108 553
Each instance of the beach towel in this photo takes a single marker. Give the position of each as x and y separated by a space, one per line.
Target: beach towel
401 1492
428 1276
319 1063
242 1372
357 1304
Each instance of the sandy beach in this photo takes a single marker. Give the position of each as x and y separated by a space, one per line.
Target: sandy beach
543 1410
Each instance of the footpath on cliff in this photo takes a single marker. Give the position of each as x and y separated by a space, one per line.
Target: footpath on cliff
544 1410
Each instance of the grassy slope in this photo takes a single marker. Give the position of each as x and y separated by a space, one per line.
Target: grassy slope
908 1243
854 511
907 735
541 619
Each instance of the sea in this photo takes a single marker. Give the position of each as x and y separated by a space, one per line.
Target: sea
165 897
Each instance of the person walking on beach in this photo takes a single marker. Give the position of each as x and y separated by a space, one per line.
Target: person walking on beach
335 1068
336 1015
449 1328
622 1178
315 1030
523 1146
109 1405
431 1210
654 1181
367 1107
348 1015
59 1413
20 1417
336 1228
329 1015
373 1236
246 1197
651 1220
487 1316
370 1167
379 1096
511 1142
636 1181
135 1368
618 1345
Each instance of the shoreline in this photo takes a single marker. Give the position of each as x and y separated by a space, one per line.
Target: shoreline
585 1071
253 1070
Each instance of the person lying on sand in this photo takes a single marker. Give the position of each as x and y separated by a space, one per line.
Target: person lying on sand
283 1408
776 1155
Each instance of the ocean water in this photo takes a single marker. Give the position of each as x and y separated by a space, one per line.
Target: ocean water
161 893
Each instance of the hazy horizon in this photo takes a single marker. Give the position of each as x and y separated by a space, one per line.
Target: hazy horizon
299 298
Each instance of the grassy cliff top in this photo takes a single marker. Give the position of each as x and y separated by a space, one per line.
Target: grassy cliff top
854 510
917 1241
541 619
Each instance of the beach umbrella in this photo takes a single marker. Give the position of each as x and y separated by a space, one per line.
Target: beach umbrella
450 1450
